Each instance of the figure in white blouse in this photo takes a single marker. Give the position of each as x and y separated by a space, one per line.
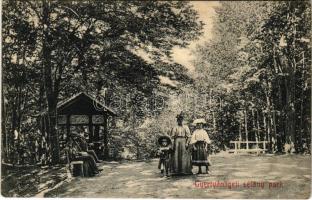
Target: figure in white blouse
200 141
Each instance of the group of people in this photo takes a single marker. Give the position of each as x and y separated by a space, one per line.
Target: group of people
180 150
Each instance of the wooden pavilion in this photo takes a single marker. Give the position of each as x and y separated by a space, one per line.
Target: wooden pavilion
83 113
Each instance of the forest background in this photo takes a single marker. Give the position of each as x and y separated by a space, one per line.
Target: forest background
251 81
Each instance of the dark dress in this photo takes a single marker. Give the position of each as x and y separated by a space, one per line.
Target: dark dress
89 165
181 158
164 158
83 146
200 154
200 141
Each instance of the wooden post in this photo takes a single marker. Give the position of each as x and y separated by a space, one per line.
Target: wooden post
105 137
90 129
67 125
96 133
235 144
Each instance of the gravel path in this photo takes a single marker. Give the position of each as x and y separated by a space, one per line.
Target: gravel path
232 176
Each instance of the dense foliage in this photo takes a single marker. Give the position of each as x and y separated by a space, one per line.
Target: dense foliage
259 66
54 49
251 82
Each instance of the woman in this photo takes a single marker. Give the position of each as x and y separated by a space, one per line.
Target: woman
200 141
83 145
75 154
181 158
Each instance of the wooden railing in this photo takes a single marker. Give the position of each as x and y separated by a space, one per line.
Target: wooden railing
238 149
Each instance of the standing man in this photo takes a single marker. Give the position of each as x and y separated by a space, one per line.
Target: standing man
181 159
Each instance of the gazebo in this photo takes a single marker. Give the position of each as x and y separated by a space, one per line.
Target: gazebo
83 113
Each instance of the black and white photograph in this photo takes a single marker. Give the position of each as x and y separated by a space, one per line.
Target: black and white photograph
156 99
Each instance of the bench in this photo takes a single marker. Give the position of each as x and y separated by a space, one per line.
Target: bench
247 151
256 150
77 168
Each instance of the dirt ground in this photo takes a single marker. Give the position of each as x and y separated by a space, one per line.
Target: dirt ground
231 176
30 181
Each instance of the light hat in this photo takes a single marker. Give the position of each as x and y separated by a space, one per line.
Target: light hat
199 121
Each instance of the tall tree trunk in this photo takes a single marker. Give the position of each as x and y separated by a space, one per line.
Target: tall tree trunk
289 111
51 88
281 120
273 122
265 127
240 132
15 142
4 152
301 115
214 122
254 127
258 127
269 112
246 129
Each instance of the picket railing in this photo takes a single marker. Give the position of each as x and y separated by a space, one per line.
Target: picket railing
238 147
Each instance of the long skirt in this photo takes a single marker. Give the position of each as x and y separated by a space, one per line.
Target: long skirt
200 154
93 154
89 165
181 158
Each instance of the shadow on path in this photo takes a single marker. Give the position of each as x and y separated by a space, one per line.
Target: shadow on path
142 179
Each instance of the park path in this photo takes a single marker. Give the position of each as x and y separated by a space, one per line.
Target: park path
289 174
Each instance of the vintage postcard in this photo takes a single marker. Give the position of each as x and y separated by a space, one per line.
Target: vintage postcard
156 99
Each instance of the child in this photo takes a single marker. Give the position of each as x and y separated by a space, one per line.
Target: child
164 153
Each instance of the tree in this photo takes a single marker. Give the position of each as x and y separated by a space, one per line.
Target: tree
97 44
258 59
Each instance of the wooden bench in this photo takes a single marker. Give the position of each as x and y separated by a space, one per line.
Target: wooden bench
247 151
237 147
77 168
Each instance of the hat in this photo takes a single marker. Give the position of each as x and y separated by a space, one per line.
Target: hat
199 121
164 137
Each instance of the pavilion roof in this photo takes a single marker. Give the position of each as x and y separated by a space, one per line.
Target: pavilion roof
82 103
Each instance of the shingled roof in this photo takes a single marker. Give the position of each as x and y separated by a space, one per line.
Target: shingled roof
82 103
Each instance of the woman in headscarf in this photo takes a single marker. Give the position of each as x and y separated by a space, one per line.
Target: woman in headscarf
200 141
181 158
